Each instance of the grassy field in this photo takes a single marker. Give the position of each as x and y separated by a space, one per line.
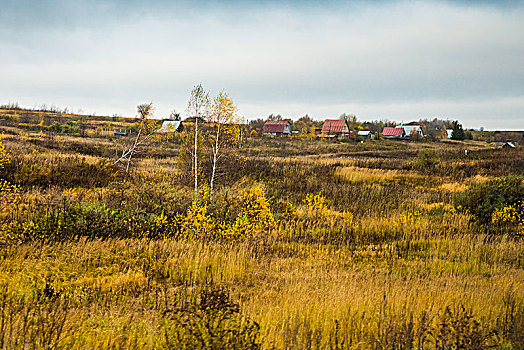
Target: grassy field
306 244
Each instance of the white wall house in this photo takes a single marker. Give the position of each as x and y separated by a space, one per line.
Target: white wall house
410 129
170 126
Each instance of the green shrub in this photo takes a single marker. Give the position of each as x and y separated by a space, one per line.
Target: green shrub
482 199
427 159
69 171
87 220
68 127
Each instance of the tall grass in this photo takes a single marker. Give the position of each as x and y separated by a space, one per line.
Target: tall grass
361 250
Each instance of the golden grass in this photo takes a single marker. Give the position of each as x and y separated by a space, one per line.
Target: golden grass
314 283
324 159
453 187
479 178
356 174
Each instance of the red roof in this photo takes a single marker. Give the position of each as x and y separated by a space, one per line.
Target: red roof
389 131
333 126
275 126
415 123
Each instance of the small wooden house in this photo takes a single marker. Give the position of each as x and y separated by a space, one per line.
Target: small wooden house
393 133
404 132
277 128
508 145
366 134
171 126
411 130
336 127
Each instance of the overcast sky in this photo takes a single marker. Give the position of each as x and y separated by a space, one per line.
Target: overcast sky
396 60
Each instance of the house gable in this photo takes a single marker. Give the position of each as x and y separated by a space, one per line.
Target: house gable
277 127
335 126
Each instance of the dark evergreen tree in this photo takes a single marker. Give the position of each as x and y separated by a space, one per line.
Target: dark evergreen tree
458 132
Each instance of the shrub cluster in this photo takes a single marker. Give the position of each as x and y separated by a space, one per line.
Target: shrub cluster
492 200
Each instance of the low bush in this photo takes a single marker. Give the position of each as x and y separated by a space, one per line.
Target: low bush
67 171
484 199
427 160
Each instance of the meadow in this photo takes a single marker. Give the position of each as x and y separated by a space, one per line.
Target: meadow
305 244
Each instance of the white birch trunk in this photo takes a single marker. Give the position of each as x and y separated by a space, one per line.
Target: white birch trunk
129 153
215 158
196 154
241 136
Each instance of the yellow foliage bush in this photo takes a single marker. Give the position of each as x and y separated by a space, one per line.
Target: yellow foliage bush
255 216
8 199
197 222
8 193
162 226
4 155
509 216
315 204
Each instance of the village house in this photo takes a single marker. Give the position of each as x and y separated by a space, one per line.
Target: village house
171 126
366 134
277 128
411 130
403 131
335 128
508 145
393 133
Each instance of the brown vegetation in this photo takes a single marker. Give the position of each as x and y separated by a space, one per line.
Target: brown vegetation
305 245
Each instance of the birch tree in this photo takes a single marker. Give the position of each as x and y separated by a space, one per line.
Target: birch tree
145 132
223 116
197 107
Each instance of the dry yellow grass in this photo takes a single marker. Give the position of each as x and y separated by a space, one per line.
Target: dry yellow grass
453 187
479 178
303 291
356 174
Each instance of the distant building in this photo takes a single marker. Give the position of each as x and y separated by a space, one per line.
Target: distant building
121 133
171 126
365 134
336 127
412 129
277 128
403 131
393 133
509 145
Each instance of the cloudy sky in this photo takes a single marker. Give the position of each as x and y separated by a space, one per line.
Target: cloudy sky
396 60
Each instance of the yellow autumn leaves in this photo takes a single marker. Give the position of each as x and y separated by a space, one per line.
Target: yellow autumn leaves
4 155
255 218
8 191
8 198
510 216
